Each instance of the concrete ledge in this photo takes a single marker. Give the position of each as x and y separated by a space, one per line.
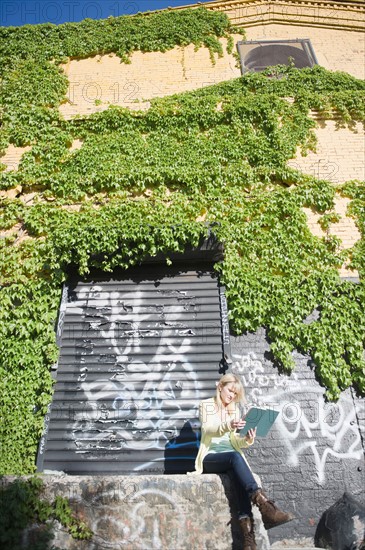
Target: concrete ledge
151 512
297 544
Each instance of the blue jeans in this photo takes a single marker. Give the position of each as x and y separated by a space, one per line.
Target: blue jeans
233 464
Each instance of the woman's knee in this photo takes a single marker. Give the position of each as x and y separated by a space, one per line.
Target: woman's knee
240 467
237 459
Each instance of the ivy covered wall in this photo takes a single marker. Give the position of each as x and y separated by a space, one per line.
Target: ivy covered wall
153 182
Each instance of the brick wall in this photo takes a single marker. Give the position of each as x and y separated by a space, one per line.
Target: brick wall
97 82
339 154
335 49
315 450
100 81
339 157
347 15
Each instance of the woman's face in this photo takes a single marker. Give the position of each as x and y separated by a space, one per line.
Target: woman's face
228 393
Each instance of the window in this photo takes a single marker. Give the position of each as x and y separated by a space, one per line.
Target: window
257 55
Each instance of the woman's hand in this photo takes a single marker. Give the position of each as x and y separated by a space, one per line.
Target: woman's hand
250 436
237 424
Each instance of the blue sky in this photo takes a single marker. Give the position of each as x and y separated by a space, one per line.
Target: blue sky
33 12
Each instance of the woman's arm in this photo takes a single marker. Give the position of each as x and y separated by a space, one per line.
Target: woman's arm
210 420
247 440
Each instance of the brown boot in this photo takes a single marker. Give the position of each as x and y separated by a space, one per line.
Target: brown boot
246 525
271 514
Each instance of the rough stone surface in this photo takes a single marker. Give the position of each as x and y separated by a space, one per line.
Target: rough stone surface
151 512
293 545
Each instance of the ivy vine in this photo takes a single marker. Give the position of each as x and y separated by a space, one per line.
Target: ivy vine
146 32
22 506
144 183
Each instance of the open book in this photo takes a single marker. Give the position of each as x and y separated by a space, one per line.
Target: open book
262 419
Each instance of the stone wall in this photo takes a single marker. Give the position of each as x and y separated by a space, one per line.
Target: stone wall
149 512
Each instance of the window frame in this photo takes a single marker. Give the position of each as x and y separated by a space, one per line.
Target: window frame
307 48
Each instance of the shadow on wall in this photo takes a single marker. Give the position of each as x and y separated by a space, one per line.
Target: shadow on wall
181 451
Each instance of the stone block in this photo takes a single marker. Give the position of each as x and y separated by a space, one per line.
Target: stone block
167 512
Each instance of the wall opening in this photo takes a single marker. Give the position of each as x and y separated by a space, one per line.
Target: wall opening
257 55
138 350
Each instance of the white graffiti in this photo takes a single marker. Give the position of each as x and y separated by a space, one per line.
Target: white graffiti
305 417
138 517
147 386
137 513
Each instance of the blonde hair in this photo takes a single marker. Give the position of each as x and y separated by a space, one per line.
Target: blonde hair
231 378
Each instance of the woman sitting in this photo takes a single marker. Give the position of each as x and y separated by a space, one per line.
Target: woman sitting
220 452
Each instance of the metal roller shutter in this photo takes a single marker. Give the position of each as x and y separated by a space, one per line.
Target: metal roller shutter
138 351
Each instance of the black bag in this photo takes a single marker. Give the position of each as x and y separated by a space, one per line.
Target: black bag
342 526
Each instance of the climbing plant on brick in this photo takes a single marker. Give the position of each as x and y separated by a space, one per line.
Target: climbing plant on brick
151 182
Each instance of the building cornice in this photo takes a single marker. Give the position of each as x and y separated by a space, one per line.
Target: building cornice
332 14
